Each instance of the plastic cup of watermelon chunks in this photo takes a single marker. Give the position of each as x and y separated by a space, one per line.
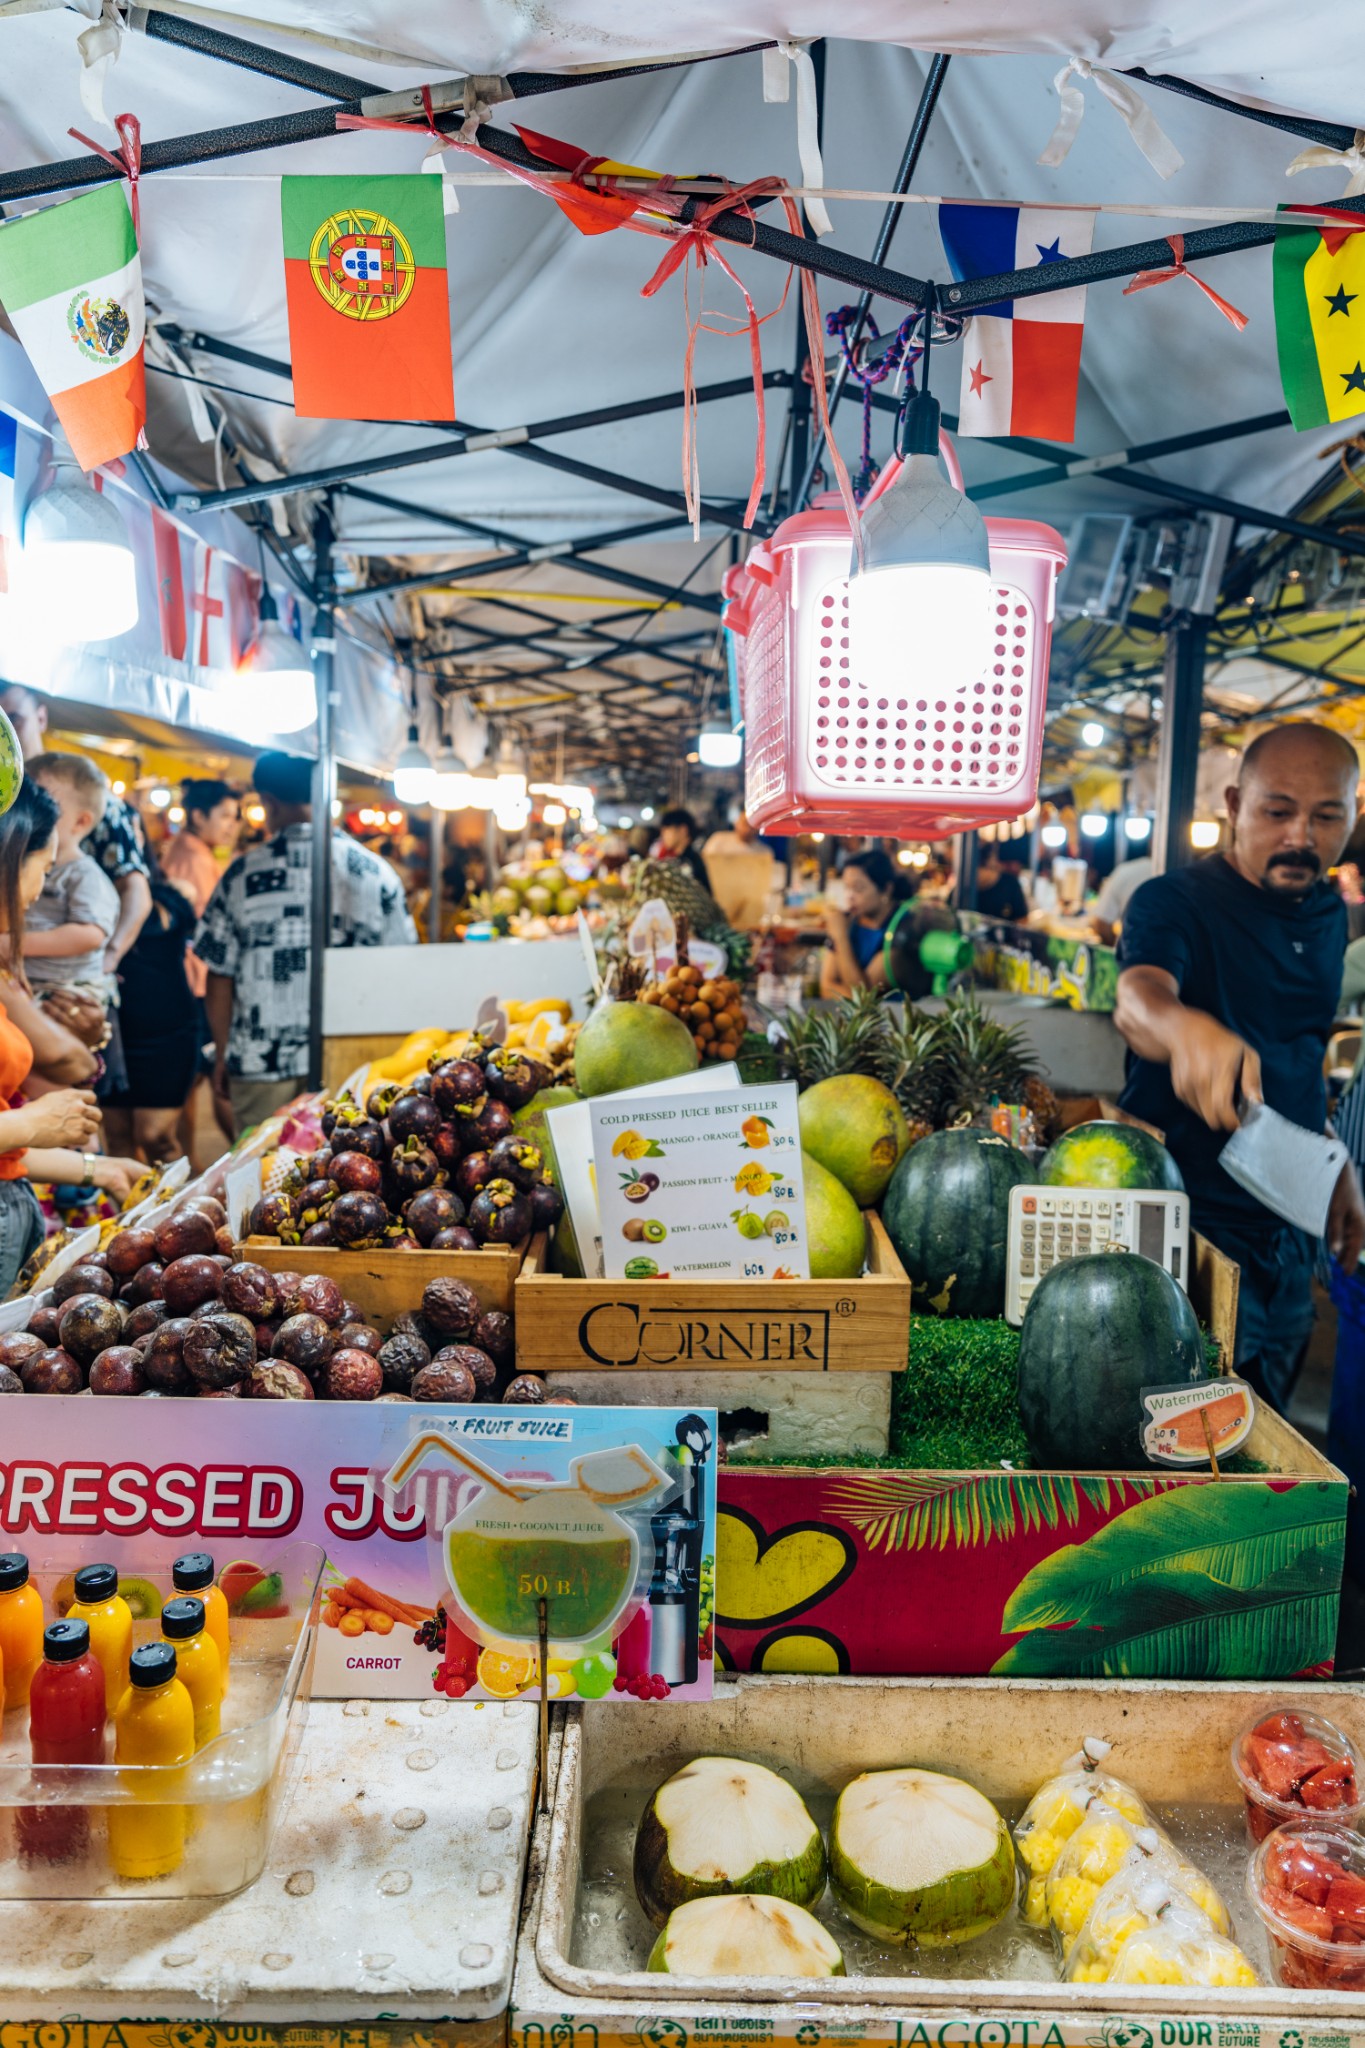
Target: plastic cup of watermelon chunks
1293 1765
1307 1882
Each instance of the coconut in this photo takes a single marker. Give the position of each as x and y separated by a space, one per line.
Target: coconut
916 1856
745 1936
719 1825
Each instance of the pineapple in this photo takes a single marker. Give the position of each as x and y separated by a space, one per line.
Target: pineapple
1046 1109
916 1076
851 1037
983 1061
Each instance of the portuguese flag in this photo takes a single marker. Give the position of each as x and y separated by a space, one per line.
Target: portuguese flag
71 282
1319 279
369 316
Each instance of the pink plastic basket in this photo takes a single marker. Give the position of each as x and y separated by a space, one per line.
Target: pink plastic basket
821 754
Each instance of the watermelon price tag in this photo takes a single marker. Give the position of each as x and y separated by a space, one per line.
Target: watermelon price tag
1196 1425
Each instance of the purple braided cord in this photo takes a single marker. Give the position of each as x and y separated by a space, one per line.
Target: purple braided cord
901 351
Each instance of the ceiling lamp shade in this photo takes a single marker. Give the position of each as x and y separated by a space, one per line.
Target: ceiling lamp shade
919 602
275 676
449 781
718 747
76 570
413 774
511 775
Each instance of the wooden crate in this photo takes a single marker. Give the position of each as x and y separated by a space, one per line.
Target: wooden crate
716 1325
386 1283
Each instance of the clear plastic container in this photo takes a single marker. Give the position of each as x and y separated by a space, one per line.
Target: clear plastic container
1292 1765
235 1785
1307 1882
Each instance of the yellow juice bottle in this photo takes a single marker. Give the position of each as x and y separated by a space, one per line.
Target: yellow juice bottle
110 1621
197 1664
21 1630
154 1725
196 1573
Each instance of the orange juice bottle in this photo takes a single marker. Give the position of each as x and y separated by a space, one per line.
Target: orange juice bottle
154 1725
21 1630
110 1621
197 1664
196 1573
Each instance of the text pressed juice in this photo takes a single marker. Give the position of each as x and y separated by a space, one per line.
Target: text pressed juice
21 1630
154 1725
197 1664
65 1726
109 1618
197 1573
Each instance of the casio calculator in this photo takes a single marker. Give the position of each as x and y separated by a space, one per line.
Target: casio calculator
1047 1225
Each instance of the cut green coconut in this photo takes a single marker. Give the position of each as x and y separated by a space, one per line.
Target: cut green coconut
720 1825
919 1857
744 1935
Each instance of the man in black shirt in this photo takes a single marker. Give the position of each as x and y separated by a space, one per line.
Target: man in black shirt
1230 973
999 893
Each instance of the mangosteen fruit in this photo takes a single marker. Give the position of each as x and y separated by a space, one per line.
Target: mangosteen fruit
220 1349
118 1371
493 1122
432 1210
518 1160
445 1143
273 1216
356 1173
450 1309
525 1388
413 1116
547 1204
318 1233
10 1382
83 1279
494 1334
89 1325
359 1337
18 1346
456 1239
500 1213
380 1100
43 1324
458 1089
164 1359
129 1249
472 1173
207 1205
145 1284
316 1295
251 1290
365 1135
183 1233
452 1381
511 1077
412 1167
304 1341
353 1375
226 1243
477 1363
316 1197
273 1380
188 1282
358 1219
401 1357
144 1319
52 1372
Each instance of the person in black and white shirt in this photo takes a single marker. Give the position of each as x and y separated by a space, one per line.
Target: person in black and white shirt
254 940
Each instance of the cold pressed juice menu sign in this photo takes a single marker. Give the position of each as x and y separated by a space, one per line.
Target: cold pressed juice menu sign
697 1185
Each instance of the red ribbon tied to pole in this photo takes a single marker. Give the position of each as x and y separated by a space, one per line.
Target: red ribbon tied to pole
1180 269
127 159
404 126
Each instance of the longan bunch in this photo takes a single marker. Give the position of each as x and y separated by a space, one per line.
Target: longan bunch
713 1011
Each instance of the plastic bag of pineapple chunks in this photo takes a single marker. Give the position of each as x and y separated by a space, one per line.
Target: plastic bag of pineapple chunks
1052 1817
1146 1892
1179 1948
1104 1842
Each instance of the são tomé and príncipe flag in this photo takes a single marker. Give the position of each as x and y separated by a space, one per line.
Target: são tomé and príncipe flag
369 315
1319 276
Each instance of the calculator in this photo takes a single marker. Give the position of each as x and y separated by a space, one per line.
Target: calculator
1048 1225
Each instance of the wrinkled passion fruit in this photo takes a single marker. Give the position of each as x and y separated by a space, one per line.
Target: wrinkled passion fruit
118 1371
164 1359
83 1279
52 1372
401 1357
251 1290
477 1364
89 1324
450 1309
220 1349
494 1334
451 1381
143 1320
183 1233
525 1389
273 1380
353 1375
18 1346
316 1295
189 1282
304 1341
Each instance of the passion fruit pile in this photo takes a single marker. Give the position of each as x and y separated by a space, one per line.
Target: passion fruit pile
433 1165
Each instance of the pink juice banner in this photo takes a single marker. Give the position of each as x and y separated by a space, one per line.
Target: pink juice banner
450 1533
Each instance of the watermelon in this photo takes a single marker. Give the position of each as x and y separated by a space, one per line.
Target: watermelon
947 1213
1109 1155
1098 1330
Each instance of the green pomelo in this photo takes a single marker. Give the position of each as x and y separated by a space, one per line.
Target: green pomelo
836 1231
551 878
628 1045
919 1857
720 1825
947 1213
1109 1155
855 1127
530 1122
504 903
745 1936
538 900
1097 1331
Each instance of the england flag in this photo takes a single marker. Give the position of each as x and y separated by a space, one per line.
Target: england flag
1021 358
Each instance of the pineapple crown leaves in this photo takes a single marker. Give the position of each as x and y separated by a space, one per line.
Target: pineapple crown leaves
942 1069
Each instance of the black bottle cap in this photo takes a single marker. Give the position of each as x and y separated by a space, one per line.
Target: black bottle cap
193 1570
152 1665
65 1641
182 1618
13 1570
96 1582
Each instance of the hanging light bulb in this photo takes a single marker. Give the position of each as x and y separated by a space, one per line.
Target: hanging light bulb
412 771
449 781
274 677
76 573
510 773
719 747
1092 733
1094 824
482 792
1137 828
1053 836
919 602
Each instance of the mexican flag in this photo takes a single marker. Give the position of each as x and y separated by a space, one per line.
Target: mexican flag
71 282
1319 276
369 316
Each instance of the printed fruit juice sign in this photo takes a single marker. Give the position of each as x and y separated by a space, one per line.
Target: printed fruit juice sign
445 1528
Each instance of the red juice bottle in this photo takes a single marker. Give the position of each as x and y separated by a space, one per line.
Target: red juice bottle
65 1726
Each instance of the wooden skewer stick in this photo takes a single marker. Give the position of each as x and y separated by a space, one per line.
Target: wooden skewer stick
1208 1439
543 1630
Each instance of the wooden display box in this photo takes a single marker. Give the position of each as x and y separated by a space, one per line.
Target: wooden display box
386 1283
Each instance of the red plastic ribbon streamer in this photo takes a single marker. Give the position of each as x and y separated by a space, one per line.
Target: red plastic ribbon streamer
1179 269
406 125
127 159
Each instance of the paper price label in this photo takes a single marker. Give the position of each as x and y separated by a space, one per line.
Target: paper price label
1182 1424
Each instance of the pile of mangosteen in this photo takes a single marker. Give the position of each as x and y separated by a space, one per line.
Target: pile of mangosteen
437 1165
167 1309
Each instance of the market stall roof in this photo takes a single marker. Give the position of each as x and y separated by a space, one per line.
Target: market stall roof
549 324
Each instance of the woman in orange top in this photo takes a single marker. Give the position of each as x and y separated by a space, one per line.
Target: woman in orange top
43 1139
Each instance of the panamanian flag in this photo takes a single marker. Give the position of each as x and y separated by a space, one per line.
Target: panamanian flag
1021 358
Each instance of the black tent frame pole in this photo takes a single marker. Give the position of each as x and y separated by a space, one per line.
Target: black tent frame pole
1329 133
324 784
1182 701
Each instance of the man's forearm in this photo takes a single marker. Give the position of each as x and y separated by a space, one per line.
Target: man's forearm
1148 1012
135 903
218 1006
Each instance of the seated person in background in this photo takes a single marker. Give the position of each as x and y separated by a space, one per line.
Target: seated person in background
999 893
873 888
71 924
1116 892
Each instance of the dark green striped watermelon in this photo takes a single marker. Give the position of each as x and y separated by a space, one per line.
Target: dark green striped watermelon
1109 1155
1097 1331
947 1213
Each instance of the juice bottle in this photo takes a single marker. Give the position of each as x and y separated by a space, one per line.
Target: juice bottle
21 1629
154 1725
197 1664
110 1620
65 1726
196 1572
